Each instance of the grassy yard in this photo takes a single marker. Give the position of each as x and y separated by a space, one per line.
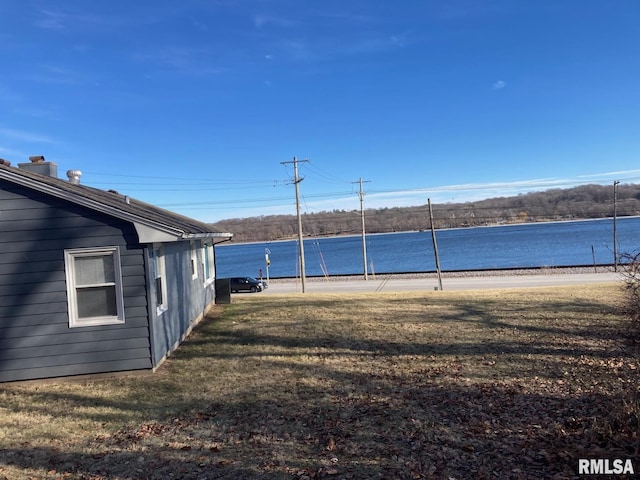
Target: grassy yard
484 384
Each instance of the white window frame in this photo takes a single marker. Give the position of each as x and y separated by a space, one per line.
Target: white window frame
208 264
194 261
72 298
159 273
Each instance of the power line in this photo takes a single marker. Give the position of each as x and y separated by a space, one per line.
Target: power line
323 174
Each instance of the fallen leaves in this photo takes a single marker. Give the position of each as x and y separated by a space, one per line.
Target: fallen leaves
455 387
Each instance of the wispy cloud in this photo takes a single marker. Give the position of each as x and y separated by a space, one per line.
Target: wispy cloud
262 20
327 49
174 57
8 95
60 21
51 20
463 10
375 43
619 175
499 85
458 193
56 74
25 136
10 152
189 61
36 112
341 34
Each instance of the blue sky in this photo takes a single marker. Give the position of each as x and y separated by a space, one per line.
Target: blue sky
193 105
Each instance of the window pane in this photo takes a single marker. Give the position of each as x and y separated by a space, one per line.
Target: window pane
94 270
97 301
205 255
159 299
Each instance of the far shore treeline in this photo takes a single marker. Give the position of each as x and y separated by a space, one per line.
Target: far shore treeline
583 202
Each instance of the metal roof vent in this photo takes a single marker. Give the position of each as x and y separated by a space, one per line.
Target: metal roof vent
74 176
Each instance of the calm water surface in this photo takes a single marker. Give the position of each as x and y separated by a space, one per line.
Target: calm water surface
552 244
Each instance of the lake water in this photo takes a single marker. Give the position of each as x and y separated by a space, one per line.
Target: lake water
552 244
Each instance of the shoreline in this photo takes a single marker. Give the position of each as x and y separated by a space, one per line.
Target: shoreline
461 274
312 238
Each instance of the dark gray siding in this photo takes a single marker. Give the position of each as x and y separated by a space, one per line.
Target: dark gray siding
35 338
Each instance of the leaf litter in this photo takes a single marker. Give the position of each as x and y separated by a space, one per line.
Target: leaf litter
508 385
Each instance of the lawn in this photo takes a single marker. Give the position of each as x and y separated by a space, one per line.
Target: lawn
479 384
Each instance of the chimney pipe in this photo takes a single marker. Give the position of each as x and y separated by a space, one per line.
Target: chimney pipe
37 164
74 176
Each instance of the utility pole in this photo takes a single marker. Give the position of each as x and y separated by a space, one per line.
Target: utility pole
364 238
615 233
296 182
435 245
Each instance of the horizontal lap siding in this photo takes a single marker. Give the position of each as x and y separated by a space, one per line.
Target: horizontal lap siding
85 368
187 300
35 338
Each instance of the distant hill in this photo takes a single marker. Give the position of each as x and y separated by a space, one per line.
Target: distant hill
583 202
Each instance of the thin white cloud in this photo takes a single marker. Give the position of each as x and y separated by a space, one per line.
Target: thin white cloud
499 85
610 175
25 136
36 112
260 21
186 60
463 10
376 44
51 20
8 95
60 21
55 74
10 152
458 193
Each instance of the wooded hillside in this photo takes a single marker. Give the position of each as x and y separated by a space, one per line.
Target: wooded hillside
587 201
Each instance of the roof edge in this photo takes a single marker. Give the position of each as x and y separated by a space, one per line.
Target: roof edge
149 231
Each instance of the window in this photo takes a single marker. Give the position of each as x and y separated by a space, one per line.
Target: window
94 286
194 261
208 263
160 280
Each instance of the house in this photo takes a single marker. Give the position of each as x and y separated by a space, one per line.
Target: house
92 281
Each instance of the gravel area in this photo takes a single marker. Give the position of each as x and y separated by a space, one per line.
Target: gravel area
467 273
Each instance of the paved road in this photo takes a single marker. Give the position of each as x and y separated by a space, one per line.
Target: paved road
398 284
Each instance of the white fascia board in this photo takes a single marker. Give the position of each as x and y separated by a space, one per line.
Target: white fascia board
148 234
216 237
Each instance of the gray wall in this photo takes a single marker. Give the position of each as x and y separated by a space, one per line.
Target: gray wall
187 299
35 338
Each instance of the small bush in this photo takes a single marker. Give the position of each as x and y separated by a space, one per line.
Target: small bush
631 270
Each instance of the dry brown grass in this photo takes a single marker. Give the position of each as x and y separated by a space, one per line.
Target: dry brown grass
485 384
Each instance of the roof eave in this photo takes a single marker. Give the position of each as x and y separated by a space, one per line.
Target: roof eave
147 234
148 230
216 237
